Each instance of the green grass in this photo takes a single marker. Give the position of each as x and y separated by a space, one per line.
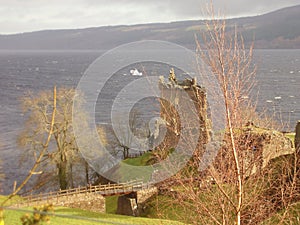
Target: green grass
135 168
111 204
154 208
139 161
11 201
68 216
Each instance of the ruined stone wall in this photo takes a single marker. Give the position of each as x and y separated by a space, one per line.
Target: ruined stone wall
132 204
183 94
258 146
276 144
127 205
88 201
92 201
144 195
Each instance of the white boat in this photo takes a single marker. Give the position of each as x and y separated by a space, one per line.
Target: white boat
135 72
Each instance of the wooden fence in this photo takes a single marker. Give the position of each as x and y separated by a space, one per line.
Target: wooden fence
104 190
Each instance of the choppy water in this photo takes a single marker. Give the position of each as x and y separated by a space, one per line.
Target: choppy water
278 83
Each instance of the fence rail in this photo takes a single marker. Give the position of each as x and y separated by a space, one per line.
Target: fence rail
104 190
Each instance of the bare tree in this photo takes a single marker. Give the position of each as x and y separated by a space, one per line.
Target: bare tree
242 185
218 194
38 159
123 138
230 64
230 61
63 152
40 155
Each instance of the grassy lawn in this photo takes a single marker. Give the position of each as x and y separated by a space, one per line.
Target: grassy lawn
139 161
135 168
111 204
11 201
68 216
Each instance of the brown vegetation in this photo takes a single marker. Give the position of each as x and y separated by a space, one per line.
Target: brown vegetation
251 178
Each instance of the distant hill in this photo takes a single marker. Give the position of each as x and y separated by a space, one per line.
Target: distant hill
278 29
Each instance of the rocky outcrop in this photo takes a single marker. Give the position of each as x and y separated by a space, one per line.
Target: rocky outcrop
256 147
261 145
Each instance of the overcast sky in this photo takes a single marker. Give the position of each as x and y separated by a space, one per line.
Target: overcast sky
30 15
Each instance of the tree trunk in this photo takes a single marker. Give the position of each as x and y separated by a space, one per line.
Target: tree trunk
71 176
125 152
62 175
87 173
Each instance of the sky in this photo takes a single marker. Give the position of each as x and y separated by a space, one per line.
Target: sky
17 16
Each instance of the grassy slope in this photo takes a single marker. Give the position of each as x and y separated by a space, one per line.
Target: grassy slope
111 204
134 168
84 218
64 216
139 161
